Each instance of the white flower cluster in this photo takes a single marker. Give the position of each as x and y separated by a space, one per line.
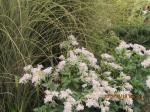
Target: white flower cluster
139 49
49 96
99 91
69 101
88 56
73 40
136 48
100 88
109 61
107 57
148 82
146 62
114 65
125 87
36 75
74 55
60 65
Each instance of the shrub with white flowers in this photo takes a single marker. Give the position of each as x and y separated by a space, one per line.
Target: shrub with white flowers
134 60
78 83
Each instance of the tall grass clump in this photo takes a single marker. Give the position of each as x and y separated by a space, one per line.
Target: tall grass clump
30 32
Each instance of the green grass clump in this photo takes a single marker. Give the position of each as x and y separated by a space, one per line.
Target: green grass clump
30 32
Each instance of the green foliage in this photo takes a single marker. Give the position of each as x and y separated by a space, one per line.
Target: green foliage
30 31
132 66
135 34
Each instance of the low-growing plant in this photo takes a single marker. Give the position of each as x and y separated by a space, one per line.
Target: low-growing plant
135 61
120 82
78 83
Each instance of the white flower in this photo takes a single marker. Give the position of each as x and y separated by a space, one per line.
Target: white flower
114 65
72 57
77 51
49 96
79 107
128 53
104 83
84 85
95 83
127 77
48 70
110 89
62 45
38 75
124 76
104 108
106 103
128 109
61 57
92 60
55 93
89 56
61 65
73 40
123 45
67 107
147 52
110 78
82 67
145 12
69 91
88 79
25 78
146 63
47 92
27 68
128 101
71 100
148 81
128 86
107 73
40 67
87 53
91 102
96 94
65 94
124 92
139 49
93 74
36 79
107 57
37 69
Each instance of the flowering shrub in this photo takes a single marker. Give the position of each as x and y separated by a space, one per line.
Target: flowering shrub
134 60
78 83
